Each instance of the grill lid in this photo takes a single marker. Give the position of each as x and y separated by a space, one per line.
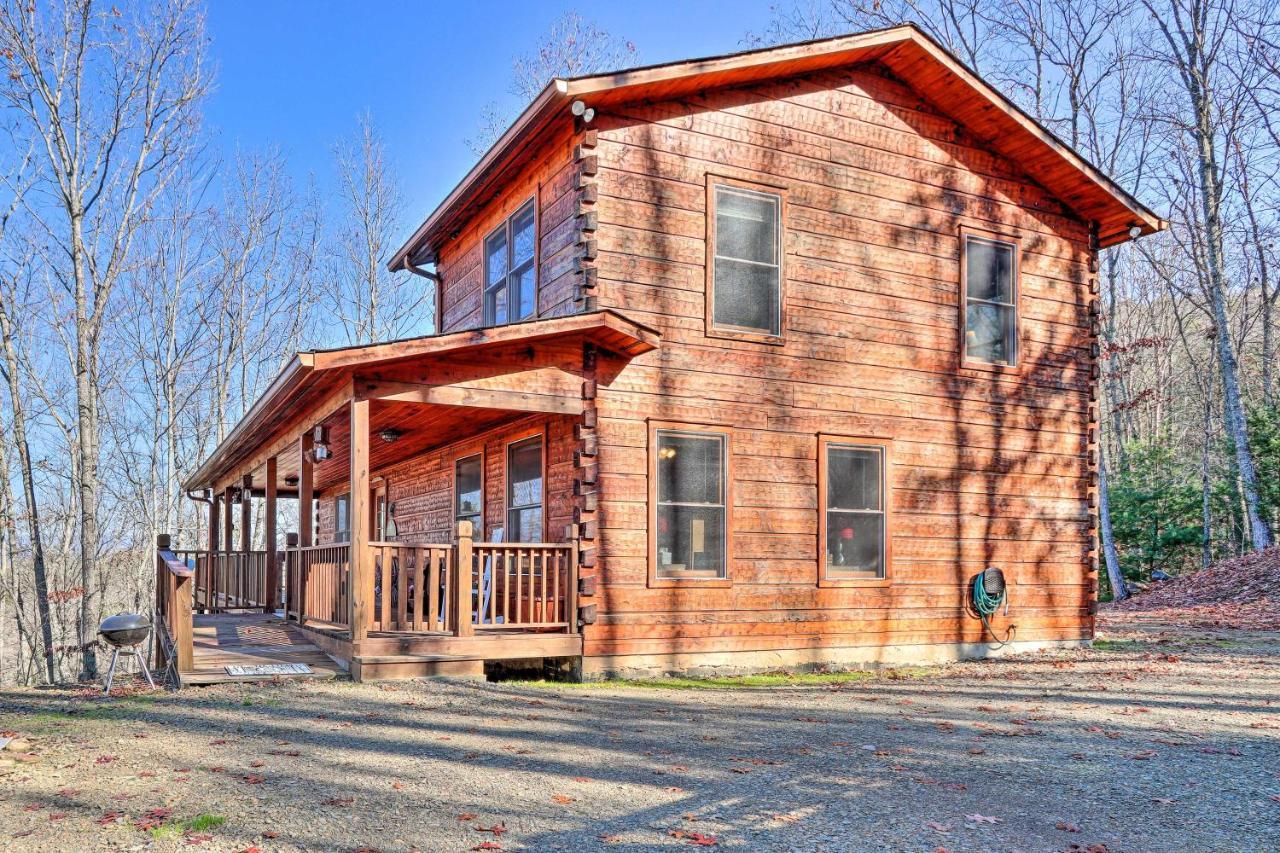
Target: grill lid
124 622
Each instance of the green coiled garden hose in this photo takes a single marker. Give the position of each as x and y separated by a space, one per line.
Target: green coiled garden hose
989 594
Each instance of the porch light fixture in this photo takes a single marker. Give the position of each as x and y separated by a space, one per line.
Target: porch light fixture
390 435
320 437
291 480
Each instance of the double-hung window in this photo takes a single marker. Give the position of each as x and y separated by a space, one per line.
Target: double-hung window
745 262
510 272
990 301
852 482
524 490
689 514
467 492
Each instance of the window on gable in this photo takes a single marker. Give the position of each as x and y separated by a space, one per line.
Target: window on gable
746 262
689 514
990 301
854 519
510 275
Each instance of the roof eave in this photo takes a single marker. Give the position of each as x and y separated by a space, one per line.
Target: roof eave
535 114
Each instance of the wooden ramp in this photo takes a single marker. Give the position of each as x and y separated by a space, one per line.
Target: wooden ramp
251 639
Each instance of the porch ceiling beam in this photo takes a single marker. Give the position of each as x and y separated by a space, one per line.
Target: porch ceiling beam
461 395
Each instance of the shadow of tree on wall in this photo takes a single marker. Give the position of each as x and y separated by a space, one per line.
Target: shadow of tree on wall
998 472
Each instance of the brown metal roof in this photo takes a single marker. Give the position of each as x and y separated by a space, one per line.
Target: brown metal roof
953 88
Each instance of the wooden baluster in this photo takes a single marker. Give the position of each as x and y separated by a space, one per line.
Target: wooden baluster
553 558
402 587
443 589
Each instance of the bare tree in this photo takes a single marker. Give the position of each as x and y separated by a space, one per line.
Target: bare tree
111 100
571 47
1197 40
371 302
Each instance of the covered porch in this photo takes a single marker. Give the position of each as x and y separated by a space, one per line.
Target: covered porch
385 567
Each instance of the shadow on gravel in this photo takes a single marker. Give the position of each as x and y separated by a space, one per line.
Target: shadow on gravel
765 766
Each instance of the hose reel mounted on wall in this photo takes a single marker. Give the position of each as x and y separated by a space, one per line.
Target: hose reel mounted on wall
989 593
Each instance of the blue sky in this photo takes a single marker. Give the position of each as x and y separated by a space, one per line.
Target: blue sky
295 75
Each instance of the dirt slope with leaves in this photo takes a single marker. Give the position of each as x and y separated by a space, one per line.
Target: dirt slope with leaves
1158 739
1243 592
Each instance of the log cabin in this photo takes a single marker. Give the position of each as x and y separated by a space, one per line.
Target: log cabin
743 363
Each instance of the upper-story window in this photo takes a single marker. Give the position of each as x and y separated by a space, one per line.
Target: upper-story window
990 301
745 267
510 274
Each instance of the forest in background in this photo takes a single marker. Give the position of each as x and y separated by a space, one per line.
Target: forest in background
149 291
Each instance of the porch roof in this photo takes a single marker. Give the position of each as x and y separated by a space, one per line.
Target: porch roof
315 383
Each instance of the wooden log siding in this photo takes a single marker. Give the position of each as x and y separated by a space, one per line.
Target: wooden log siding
990 467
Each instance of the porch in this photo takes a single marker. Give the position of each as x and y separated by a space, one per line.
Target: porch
391 573
435 609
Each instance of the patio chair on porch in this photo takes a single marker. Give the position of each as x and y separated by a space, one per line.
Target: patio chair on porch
485 593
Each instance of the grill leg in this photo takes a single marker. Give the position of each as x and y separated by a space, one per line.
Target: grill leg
111 671
142 662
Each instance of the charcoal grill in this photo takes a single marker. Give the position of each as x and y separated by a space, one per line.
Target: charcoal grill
125 633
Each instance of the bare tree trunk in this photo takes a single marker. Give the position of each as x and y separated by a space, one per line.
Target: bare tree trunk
1119 589
19 425
1206 487
1196 40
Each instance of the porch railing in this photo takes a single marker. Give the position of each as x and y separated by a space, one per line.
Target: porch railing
411 587
320 580
228 580
505 586
527 586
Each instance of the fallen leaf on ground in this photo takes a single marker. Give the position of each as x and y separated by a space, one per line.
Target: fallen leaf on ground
979 818
1067 827
563 799
938 827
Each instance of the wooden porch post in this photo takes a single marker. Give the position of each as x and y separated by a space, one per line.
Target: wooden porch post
360 592
213 520
269 538
306 491
462 624
246 513
228 520
306 495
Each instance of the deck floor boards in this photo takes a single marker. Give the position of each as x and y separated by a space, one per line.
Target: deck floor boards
251 639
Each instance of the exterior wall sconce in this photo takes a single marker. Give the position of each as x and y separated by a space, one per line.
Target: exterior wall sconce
390 435
320 452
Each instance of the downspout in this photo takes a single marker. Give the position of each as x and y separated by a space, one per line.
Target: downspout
439 283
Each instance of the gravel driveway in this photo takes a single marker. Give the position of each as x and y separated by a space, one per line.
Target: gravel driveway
1161 739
